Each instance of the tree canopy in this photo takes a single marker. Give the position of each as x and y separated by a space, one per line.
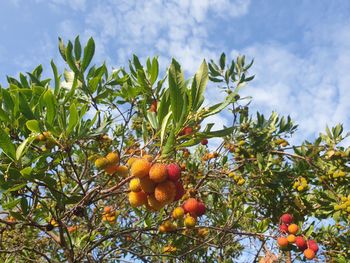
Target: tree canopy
101 165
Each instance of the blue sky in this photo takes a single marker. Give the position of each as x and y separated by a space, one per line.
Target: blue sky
301 48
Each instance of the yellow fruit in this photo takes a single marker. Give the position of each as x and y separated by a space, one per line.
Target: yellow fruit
134 185
165 192
169 226
153 203
178 213
203 232
131 161
112 157
147 185
162 229
190 221
148 157
293 228
111 169
291 238
41 137
241 181
137 198
101 162
300 188
122 171
158 172
140 168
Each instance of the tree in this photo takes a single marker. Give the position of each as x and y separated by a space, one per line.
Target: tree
107 166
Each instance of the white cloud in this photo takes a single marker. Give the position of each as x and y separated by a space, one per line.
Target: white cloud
312 88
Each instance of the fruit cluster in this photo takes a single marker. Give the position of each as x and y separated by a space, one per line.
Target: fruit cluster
110 164
238 178
185 215
289 231
300 184
108 215
154 185
343 205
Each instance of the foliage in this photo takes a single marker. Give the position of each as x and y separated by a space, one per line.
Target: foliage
53 196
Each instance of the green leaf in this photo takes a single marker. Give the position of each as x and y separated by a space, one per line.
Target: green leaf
56 76
77 48
50 103
154 70
6 145
33 126
15 188
220 106
4 116
7 100
24 107
23 147
70 58
62 48
222 61
89 52
169 146
176 87
152 117
73 118
164 127
11 204
198 86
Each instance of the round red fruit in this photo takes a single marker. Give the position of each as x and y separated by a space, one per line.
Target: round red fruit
301 243
204 141
200 209
312 245
286 219
180 191
283 228
174 172
191 206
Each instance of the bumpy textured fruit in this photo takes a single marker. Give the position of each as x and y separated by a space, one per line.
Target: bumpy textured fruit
148 157
135 185
158 172
282 242
293 228
174 172
180 191
283 228
137 198
178 213
153 203
101 162
201 209
131 161
169 226
312 245
112 157
300 242
165 192
122 170
111 169
291 238
140 168
190 206
147 185
107 209
190 221
309 253
286 219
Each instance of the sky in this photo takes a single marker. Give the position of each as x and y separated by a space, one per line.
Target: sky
301 48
